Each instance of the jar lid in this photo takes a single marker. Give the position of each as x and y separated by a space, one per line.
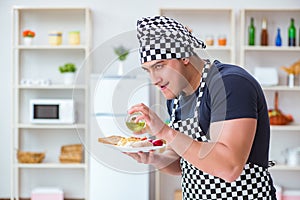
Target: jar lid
55 33
74 32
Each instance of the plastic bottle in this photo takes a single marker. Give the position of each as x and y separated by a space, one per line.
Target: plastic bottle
251 33
278 41
264 33
292 33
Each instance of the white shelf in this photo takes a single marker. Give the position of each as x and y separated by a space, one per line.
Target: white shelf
43 126
52 166
281 88
48 47
219 48
52 87
284 168
38 8
292 127
187 11
271 48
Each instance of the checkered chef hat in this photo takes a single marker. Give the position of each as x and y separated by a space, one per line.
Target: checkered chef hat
164 38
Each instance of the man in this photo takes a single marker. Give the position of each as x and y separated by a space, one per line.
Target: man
218 136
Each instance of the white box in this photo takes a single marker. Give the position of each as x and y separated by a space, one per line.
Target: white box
266 76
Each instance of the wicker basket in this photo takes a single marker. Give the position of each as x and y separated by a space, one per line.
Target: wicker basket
280 118
71 148
70 158
30 157
71 153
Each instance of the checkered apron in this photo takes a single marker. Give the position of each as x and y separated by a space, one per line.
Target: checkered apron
253 183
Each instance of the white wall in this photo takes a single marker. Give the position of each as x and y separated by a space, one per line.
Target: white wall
110 18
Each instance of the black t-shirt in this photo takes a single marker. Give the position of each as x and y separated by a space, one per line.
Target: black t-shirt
230 93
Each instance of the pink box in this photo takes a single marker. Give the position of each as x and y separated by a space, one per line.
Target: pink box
291 195
47 194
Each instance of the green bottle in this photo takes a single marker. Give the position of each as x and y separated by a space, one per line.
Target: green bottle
251 33
292 33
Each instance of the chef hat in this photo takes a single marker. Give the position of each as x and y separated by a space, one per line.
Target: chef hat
164 38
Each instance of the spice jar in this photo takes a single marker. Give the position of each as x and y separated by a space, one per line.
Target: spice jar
55 38
222 40
209 40
74 38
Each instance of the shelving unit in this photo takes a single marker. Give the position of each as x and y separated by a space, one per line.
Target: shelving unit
203 23
286 136
40 61
276 18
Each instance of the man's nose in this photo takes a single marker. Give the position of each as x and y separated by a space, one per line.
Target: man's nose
155 79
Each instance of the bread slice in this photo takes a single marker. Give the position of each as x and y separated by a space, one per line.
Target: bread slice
113 140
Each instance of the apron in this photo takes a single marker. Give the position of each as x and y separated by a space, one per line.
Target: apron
253 183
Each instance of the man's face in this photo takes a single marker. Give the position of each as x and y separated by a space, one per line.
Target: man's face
168 75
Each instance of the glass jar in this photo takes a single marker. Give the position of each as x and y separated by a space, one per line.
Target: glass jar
74 37
55 38
132 124
222 40
209 40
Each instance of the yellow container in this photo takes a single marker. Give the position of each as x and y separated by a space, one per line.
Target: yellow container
74 38
55 38
209 40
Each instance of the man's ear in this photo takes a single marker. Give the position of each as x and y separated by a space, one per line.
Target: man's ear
185 60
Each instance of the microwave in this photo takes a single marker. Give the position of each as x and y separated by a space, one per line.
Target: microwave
52 111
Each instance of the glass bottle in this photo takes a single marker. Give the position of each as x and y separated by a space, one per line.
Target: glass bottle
132 124
251 33
292 33
278 41
264 33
